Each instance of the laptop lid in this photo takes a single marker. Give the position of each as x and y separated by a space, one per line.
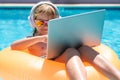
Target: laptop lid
72 31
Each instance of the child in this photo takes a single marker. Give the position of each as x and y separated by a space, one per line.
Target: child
40 14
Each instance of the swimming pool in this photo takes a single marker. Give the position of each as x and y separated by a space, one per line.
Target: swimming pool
14 24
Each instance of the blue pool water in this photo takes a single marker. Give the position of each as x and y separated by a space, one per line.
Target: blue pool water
14 25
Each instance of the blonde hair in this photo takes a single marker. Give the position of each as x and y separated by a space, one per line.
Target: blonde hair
45 9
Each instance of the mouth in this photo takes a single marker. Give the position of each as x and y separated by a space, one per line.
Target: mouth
44 29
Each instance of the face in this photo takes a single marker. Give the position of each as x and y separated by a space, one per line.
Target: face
41 22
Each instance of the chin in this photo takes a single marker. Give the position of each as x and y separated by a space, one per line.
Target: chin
44 33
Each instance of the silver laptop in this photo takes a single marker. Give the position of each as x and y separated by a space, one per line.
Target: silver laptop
73 31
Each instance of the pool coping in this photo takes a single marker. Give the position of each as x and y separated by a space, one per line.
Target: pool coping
17 5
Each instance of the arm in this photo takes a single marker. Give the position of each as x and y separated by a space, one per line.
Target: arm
27 42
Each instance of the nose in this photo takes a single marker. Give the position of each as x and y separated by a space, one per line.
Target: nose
46 23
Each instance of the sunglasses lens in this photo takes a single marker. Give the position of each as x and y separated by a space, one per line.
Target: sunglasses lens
39 23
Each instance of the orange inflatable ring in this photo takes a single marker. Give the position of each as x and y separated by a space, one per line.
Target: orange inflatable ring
18 65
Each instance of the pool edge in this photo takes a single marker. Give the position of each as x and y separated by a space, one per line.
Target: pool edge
24 5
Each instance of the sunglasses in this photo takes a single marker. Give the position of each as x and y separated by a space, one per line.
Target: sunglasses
40 23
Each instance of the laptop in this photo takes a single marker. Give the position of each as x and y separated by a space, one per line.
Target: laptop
73 31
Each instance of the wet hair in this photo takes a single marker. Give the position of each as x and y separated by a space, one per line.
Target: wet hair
34 32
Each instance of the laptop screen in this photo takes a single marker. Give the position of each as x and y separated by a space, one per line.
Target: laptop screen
72 31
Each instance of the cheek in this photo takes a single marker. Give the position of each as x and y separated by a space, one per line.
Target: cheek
38 29
42 29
